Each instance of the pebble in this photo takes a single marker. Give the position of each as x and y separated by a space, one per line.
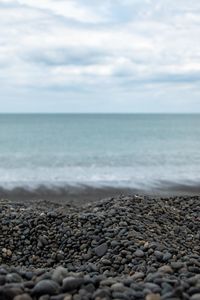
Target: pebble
59 274
166 269
23 297
46 286
139 253
195 297
101 250
13 277
68 297
118 287
158 255
177 265
153 297
72 283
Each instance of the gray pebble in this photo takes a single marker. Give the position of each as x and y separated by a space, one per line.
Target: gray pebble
101 249
195 297
72 283
139 253
45 286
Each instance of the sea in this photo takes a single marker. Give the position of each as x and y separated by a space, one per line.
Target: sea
139 151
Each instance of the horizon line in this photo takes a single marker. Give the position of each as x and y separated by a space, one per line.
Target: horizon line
99 113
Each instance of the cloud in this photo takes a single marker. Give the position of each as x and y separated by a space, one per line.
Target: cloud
85 46
67 9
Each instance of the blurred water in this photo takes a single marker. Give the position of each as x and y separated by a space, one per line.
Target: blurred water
136 150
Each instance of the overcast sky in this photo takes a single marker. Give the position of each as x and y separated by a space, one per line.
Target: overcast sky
100 56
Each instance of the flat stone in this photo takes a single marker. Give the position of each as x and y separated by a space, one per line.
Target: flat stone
45 286
177 265
101 249
72 283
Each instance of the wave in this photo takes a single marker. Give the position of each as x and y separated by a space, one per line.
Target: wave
86 192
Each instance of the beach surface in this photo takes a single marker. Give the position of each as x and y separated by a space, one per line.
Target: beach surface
121 247
79 195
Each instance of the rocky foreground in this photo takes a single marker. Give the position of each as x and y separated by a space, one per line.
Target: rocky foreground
124 248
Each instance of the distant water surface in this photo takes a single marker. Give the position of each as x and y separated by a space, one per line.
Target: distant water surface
118 150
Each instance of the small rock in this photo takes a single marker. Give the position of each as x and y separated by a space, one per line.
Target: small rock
118 287
138 275
166 269
2 279
106 262
23 297
167 256
139 253
153 297
9 292
101 294
154 288
43 240
177 265
45 286
72 283
101 249
9 252
68 297
59 274
13 277
195 297
158 255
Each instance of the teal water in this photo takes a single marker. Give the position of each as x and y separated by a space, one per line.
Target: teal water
133 150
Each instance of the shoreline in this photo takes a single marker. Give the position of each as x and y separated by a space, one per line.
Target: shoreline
82 194
123 247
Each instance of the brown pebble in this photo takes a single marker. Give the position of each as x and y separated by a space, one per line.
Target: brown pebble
153 297
68 297
23 297
166 269
9 252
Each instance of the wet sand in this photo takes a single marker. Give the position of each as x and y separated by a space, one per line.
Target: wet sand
83 194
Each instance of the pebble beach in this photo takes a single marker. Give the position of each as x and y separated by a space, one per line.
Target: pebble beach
127 247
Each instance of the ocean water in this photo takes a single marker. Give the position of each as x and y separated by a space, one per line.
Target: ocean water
117 150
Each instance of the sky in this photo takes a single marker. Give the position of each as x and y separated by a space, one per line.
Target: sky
99 56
